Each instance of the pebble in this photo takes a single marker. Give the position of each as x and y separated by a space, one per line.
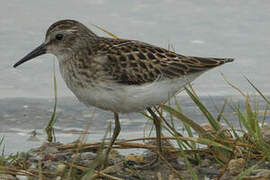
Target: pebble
135 158
181 163
60 168
88 155
61 156
208 171
236 166
21 178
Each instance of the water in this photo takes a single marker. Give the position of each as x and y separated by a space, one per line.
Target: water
19 117
238 29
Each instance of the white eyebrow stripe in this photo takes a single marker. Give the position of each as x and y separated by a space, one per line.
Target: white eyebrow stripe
71 30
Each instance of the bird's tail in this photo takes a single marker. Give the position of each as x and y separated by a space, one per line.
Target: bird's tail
203 64
226 60
209 62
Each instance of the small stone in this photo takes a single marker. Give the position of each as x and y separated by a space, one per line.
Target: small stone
58 178
87 155
135 158
60 168
21 177
61 156
267 164
181 163
208 171
236 166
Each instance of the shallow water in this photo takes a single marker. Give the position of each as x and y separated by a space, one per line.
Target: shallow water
238 29
19 117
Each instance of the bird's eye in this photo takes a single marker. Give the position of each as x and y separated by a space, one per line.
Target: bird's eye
59 36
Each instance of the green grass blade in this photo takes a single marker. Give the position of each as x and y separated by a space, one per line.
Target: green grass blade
185 119
49 127
213 143
220 115
214 123
261 94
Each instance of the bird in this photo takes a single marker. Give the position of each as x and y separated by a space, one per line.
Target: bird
119 75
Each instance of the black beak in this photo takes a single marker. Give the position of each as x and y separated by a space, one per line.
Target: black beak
36 52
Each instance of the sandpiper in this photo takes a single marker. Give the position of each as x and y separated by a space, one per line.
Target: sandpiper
118 75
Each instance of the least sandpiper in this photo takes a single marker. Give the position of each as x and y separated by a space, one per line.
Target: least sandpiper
119 75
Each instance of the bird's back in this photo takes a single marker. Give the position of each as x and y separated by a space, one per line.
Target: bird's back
134 63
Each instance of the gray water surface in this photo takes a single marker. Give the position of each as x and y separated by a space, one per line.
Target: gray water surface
19 117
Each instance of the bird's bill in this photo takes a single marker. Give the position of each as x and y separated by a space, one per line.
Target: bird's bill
36 52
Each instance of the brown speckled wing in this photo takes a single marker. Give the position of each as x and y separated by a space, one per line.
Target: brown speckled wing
134 62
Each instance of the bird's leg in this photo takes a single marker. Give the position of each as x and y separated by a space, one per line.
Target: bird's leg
116 132
157 124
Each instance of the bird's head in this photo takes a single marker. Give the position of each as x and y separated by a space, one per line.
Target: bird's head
62 38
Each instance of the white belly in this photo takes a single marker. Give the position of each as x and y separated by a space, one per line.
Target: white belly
131 98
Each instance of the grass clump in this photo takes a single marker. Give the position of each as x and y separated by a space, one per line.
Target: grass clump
223 143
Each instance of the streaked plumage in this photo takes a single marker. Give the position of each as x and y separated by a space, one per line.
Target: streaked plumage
117 74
